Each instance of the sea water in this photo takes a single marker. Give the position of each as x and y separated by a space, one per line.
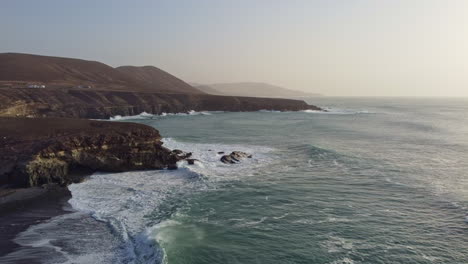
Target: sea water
372 180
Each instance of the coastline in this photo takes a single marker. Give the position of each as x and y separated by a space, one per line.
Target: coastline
100 104
42 156
41 161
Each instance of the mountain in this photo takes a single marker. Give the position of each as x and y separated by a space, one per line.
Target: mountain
20 70
252 89
206 89
157 78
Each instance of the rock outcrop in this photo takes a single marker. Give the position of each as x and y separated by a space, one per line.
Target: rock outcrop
234 157
36 151
100 104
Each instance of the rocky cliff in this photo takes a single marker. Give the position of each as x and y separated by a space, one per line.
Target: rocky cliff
97 104
36 151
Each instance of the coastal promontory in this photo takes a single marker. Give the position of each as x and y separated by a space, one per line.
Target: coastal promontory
37 151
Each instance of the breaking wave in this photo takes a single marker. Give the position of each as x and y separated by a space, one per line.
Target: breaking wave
124 217
145 115
338 111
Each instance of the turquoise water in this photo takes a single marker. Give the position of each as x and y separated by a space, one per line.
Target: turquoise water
382 182
372 181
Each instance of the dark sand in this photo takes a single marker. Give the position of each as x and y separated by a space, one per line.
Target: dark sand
22 208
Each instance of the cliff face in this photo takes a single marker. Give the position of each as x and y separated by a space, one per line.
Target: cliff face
36 151
31 102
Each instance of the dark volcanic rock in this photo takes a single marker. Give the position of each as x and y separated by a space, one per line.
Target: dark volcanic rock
36 151
100 104
181 154
178 151
235 157
191 161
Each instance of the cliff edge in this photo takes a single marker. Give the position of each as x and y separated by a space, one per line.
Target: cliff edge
100 104
37 151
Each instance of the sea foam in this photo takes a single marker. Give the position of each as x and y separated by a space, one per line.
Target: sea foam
145 115
338 111
138 206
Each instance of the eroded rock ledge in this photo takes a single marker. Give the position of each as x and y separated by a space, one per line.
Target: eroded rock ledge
98 104
37 151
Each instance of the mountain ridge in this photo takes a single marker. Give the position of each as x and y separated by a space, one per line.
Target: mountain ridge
155 77
21 69
251 89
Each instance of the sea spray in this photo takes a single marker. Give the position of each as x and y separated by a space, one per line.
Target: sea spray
136 205
145 115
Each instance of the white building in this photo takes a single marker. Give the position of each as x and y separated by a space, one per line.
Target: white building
36 86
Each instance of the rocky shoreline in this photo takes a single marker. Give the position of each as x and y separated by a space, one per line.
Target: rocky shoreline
101 104
48 142
39 151
41 156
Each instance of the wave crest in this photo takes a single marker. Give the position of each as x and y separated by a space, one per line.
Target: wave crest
145 115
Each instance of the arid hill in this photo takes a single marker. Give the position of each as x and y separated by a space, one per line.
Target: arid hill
21 70
157 78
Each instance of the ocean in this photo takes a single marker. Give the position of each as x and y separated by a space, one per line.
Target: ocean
373 180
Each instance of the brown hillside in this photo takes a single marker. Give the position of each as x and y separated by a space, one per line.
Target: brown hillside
157 78
56 72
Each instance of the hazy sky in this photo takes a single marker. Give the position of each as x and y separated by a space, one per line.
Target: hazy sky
334 47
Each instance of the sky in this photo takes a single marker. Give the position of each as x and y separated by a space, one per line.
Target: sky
333 47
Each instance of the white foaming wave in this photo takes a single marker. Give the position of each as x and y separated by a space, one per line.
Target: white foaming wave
270 111
192 112
212 171
327 220
82 241
328 111
281 217
336 244
430 258
209 165
124 200
142 115
133 203
338 111
252 223
343 261
145 115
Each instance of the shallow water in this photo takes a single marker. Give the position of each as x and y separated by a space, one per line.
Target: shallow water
372 181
